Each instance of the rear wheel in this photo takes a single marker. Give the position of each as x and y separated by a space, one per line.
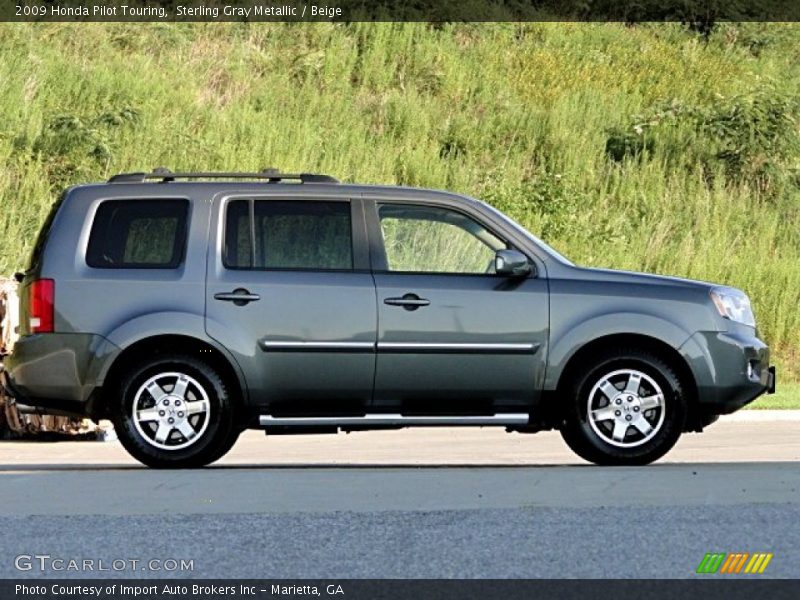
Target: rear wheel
626 408
174 411
226 445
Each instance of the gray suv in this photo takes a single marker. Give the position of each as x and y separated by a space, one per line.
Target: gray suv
187 307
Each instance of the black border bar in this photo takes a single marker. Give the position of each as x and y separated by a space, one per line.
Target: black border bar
712 587
696 12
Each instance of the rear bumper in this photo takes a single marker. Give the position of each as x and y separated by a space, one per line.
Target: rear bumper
28 405
56 373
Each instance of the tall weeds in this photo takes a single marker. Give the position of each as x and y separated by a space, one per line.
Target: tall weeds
646 147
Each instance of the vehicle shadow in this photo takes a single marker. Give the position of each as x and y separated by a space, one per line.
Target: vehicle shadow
270 466
50 467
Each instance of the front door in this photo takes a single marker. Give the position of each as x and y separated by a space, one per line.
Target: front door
290 295
453 337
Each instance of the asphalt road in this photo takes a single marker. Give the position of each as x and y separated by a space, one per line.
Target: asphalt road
411 503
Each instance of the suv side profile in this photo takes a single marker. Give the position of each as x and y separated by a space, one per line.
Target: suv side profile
188 307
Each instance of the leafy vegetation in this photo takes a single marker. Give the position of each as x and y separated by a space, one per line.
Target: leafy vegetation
646 147
787 397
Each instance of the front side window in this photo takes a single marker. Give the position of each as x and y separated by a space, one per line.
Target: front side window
429 239
278 234
138 234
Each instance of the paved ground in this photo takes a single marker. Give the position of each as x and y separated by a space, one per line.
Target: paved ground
746 436
410 503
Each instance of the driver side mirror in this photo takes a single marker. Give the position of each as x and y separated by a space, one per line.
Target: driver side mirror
512 263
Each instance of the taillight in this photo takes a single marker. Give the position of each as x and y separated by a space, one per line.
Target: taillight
41 301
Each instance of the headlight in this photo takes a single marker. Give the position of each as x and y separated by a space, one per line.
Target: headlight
734 305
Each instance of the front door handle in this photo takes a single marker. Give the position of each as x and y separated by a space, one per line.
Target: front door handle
239 296
408 301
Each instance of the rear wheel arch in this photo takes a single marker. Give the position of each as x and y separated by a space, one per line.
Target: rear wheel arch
596 347
151 347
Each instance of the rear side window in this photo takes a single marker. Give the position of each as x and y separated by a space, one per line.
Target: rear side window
277 234
138 234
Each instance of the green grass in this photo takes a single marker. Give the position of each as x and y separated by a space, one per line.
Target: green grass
787 396
642 147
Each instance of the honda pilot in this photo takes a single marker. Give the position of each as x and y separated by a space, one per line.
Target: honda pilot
188 307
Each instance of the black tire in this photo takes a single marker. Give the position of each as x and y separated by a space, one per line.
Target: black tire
226 445
215 431
596 440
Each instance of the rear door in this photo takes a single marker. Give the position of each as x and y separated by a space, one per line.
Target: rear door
453 337
290 294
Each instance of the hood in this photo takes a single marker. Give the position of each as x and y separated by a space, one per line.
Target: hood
618 276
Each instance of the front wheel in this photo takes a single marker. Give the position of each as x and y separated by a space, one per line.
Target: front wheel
625 408
173 412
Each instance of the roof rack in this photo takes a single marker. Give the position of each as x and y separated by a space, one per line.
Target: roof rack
270 175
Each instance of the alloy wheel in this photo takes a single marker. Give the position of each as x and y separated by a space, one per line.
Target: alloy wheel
626 408
171 411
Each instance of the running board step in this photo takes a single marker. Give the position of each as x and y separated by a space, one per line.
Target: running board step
395 419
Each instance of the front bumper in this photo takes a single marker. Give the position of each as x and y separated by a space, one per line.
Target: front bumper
731 369
772 380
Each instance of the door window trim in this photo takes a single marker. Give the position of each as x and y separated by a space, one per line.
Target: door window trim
358 234
379 261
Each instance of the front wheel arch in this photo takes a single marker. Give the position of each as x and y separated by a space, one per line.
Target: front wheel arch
603 345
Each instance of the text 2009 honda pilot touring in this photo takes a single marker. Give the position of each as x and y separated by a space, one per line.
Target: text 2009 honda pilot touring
187 310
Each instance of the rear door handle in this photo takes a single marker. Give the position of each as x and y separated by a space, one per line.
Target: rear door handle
239 296
408 301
